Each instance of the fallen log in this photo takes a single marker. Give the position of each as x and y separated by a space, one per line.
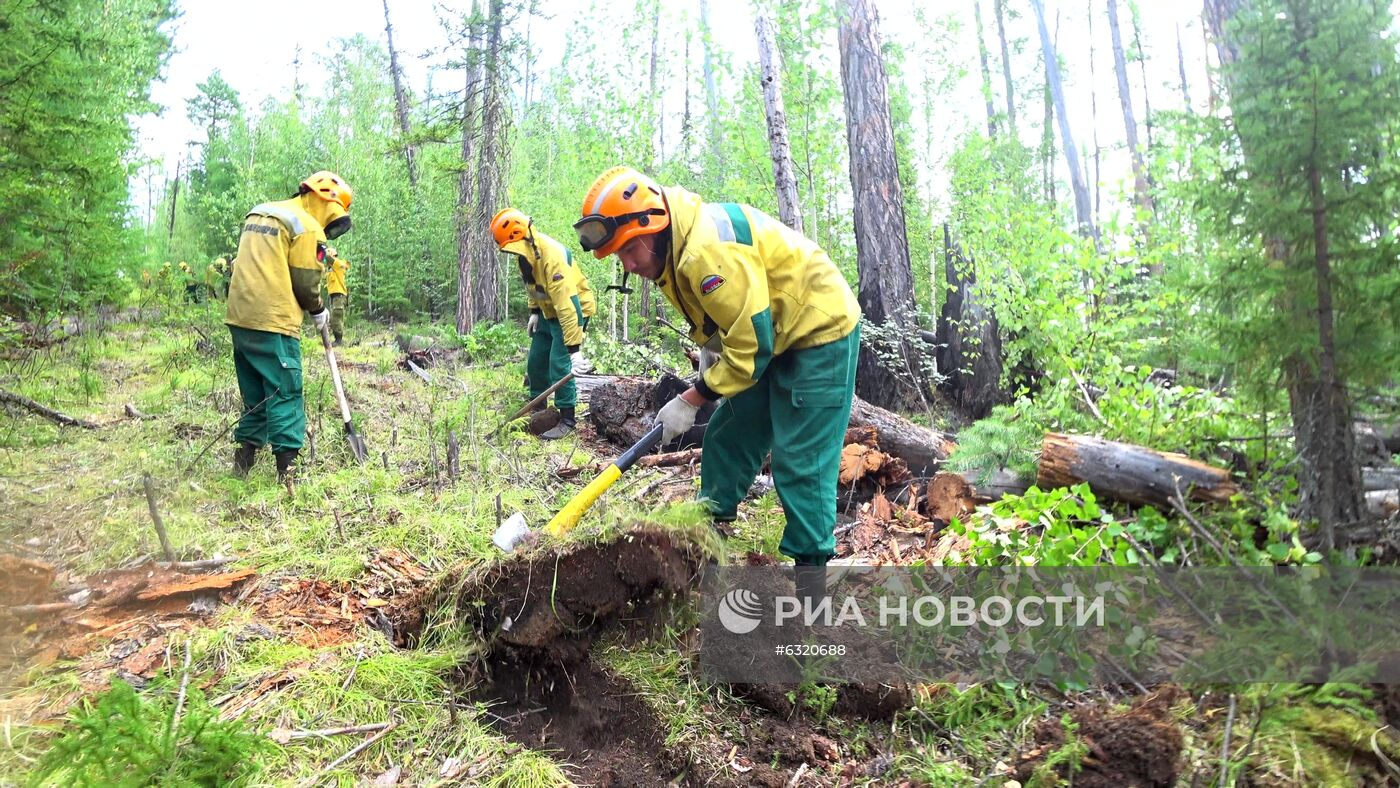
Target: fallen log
1129 473
670 459
923 449
60 419
1380 479
996 484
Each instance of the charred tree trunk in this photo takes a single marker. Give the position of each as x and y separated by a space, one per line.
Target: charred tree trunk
1082 212
1141 190
486 292
968 339
998 5
1125 472
466 233
784 177
986 70
882 247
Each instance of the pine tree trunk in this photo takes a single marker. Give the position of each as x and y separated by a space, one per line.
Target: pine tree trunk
1141 191
784 176
486 304
986 70
1082 212
882 248
466 252
1006 66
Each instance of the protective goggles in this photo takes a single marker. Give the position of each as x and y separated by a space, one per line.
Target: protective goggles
595 230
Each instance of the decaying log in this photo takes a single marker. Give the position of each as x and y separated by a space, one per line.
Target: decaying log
1125 472
1380 479
923 449
670 459
52 415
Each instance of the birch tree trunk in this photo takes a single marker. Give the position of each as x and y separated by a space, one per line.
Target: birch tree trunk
1181 69
882 247
466 252
1082 211
784 175
1141 191
1006 65
986 70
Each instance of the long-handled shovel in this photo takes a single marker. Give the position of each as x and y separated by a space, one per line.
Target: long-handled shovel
512 531
357 444
537 400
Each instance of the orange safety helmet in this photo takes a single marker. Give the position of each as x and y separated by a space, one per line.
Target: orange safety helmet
620 205
329 187
509 224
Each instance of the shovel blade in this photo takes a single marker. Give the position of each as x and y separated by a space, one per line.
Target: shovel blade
357 444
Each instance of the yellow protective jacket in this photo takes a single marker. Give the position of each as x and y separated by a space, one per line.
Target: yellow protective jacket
277 273
335 280
555 284
740 275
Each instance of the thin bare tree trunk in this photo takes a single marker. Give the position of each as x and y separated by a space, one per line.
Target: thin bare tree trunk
882 247
1181 68
1141 189
1082 211
784 176
1094 118
1006 66
466 253
711 91
655 140
1142 67
401 104
986 71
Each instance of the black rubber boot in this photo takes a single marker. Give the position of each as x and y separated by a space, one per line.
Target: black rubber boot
287 468
810 581
567 422
243 458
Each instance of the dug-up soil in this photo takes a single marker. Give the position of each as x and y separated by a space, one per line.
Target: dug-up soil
1139 747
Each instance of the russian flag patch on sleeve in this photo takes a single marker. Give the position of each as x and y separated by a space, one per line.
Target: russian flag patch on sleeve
710 284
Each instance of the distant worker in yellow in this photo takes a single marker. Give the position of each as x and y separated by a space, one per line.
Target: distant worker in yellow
276 276
779 332
214 278
561 302
337 292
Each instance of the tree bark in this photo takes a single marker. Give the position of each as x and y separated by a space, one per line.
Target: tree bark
784 176
986 70
1120 69
1006 66
48 413
466 252
1082 211
1181 69
1141 190
486 301
968 338
923 449
1125 472
401 104
882 248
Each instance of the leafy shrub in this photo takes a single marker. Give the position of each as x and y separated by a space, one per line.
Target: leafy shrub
125 739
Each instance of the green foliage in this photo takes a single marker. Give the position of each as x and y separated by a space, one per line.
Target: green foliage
72 75
127 739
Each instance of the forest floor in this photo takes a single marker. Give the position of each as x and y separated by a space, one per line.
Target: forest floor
316 621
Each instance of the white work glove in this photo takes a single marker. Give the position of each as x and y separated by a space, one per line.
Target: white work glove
676 418
708 358
579 365
322 319
533 324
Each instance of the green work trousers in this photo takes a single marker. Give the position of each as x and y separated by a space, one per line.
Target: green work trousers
548 361
338 315
268 366
798 410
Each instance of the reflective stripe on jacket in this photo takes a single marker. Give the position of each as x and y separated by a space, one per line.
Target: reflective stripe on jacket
277 273
763 289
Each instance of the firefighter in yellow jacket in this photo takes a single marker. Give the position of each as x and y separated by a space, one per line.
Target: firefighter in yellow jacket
277 277
336 291
779 328
561 302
